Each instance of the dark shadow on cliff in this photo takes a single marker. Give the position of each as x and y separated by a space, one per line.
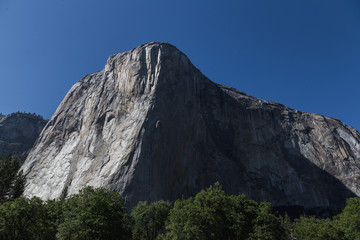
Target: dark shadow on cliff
197 133
240 130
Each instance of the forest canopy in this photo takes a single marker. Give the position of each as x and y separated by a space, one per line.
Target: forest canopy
211 214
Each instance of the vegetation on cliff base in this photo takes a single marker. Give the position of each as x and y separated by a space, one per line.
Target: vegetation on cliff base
211 214
94 214
149 219
11 182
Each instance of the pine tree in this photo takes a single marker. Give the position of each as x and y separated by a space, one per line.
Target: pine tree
11 182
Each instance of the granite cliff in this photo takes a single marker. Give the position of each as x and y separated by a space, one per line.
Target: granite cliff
18 132
152 126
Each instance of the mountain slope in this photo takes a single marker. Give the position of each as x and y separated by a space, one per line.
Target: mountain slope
151 126
18 132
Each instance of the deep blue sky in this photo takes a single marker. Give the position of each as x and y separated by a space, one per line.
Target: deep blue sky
302 53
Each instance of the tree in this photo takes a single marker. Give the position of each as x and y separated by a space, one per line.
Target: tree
11 182
348 221
54 217
312 228
288 226
25 218
212 214
94 214
149 219
267 226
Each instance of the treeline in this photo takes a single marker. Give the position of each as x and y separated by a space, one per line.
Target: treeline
211 214
28 114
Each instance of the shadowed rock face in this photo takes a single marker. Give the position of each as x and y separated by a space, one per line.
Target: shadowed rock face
18 132
151 126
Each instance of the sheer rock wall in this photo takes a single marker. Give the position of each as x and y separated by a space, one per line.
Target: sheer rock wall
151 126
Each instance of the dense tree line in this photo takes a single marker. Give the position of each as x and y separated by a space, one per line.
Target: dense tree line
211 214
32 115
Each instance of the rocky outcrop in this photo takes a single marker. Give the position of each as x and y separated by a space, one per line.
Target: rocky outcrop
18 132
151 126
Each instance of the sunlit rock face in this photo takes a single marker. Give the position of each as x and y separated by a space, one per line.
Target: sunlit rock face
18 132
152 126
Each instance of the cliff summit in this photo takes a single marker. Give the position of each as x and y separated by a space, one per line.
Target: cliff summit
151 126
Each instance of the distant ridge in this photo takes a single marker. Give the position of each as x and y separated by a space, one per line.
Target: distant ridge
18 133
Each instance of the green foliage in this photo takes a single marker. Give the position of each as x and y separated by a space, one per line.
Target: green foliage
311 228
11 182
54 217
213 214
26 219
288 226
267 226
348 221
94 214
149 220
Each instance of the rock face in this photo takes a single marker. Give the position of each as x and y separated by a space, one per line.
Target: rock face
18 132
151 126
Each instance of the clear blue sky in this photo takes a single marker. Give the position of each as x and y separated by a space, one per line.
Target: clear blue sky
302 53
